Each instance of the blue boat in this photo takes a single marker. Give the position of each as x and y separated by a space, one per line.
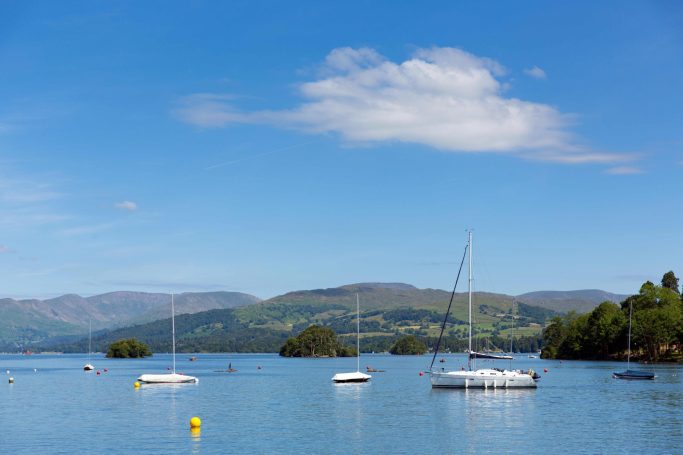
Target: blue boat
633 374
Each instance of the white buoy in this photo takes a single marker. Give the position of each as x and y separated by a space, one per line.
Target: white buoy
11 380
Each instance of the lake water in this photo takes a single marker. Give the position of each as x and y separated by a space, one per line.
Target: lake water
291 406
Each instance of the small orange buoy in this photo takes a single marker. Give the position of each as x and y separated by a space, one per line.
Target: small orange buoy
545 370
422 373
98 372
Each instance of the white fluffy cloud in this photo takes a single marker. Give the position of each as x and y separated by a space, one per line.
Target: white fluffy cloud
444 98
126 205
535 72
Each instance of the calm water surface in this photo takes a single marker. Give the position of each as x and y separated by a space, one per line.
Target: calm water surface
291 406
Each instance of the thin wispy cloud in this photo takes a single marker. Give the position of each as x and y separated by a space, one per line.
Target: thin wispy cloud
129 206
257 155
443 98
535 72
624 170
23 191
27 201
86 229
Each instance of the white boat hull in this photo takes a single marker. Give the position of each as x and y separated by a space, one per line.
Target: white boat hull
482 379
88 367
171 378
356 376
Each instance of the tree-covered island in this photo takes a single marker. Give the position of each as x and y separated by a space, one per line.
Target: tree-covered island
316 341
128 349
602 334
408 345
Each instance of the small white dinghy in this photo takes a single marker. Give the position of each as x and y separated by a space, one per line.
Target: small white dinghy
355 376
169 378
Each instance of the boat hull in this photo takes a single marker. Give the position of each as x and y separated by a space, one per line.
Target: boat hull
88 367
482 379
172 378
351 377
634 375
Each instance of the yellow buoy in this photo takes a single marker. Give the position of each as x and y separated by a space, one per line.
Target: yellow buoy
195 422
136 384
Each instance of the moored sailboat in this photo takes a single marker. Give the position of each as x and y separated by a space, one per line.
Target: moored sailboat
355 376
472 377
631 374
88 366
173 377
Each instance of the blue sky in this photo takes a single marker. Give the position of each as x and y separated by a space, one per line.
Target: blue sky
264 147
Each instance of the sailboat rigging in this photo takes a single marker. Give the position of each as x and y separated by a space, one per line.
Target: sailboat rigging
168 378
631 374
473 378
355 376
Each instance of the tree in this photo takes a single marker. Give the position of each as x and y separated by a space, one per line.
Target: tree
316 341
128 348
670 281
408 345
605 327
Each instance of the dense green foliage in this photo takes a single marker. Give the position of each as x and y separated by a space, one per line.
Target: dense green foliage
408 345
657 327
316 341
128 349
670 281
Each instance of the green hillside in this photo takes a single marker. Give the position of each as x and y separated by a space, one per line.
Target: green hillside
387 312
392 309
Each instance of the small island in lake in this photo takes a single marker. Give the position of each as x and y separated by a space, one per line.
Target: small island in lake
316 341
408 345
128 349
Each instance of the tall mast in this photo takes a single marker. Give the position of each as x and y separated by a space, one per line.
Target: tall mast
512 330
469 299
630 314
173 329
89 338
357 333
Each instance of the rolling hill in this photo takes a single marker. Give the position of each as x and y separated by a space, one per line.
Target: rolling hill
29 321
388 310
581 301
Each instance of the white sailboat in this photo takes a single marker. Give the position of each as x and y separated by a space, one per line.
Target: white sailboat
88 366
482 378
169 378
355 376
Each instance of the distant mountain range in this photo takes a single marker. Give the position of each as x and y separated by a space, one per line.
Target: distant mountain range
564 301
26 322
387 309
